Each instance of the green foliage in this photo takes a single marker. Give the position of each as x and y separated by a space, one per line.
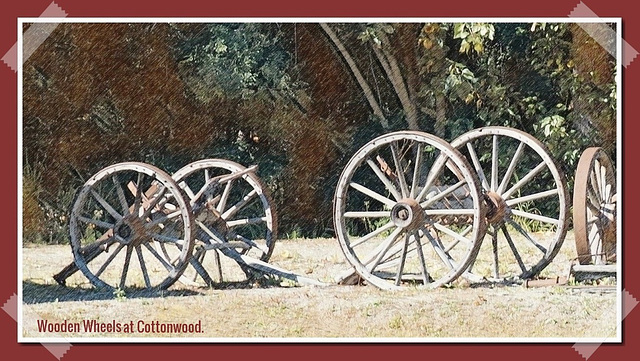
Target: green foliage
373 32
239 60
473 36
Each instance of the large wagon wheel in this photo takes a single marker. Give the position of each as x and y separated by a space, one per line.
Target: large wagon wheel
120 218
528 197
408 211
233 215
594 208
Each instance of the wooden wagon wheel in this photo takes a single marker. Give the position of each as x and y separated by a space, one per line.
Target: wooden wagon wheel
233 214
594 208
528 197
119 219
408 212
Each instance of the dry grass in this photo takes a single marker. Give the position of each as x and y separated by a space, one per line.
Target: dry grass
273 310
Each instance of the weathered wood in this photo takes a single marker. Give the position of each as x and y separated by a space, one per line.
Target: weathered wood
267 268
591 272
594 268
231 244
348 277
94 250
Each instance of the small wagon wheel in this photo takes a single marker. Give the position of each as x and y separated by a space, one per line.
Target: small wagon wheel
527 197
408 212
594 208
120 217
233 213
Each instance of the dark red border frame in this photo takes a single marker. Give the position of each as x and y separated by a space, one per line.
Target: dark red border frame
326 8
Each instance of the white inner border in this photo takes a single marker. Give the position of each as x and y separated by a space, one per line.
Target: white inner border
618 77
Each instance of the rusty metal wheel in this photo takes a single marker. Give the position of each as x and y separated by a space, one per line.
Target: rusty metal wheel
119 219
527 197
594 208
233 213
408 211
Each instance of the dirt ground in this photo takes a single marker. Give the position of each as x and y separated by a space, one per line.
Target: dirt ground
278 310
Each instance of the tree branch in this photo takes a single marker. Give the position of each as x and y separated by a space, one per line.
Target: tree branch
377 111
390 66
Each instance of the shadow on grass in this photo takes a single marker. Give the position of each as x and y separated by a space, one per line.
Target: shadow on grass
33 293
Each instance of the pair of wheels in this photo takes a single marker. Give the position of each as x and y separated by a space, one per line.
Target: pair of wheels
411 209
134 226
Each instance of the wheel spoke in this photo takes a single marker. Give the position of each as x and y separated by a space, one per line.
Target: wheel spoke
225 196
494 164
536 217
121 196
213 237
196 262
143 267
162 260
383 178
458 237
476 164
439 249
399 170
96 222
138 195
156 202
442 194
370 235
494 248
162 219
106 205
238 206
513 201
511 168
403 257
435 170
382 250
367 214
185 187
423 262
449 212
251 243
103 242
377 196
162 238
524 180
125 267
110 259
246 221
416 171
527 236
598 179
594 235
514 250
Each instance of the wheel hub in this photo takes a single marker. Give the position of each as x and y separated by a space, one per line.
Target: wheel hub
408 214
131 230
124 231
498 208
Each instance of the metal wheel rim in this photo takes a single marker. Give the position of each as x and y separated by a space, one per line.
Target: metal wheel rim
413 241
594 208
547 169
165 217
261 249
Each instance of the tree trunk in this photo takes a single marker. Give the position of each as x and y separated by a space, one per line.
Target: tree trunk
391 68
377 111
